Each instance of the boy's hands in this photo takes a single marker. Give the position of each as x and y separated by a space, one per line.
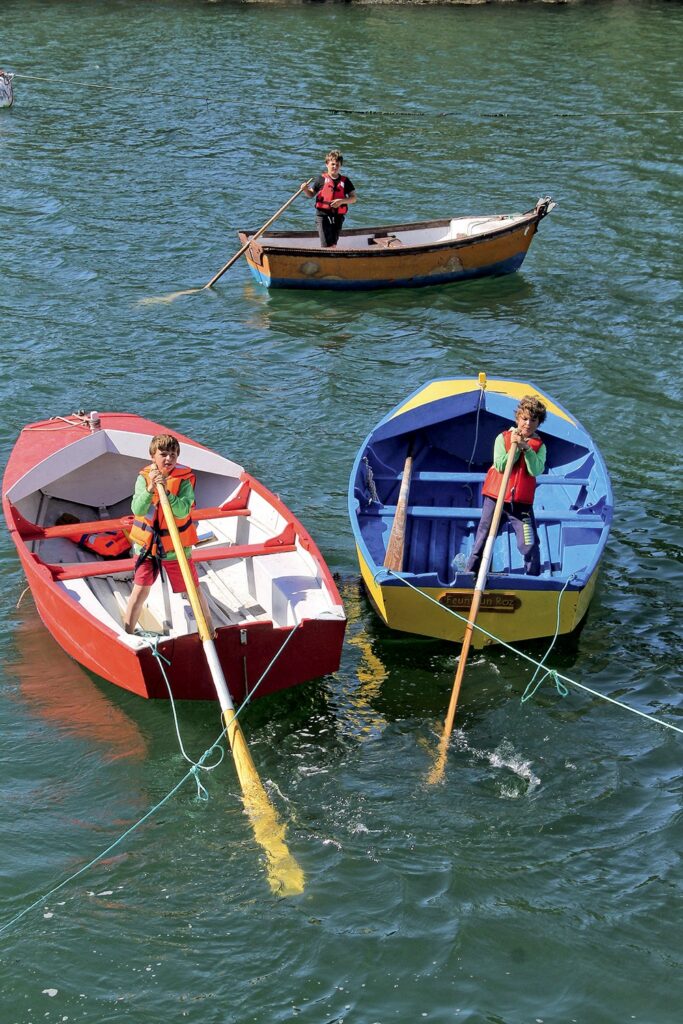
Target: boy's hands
155 477
518 439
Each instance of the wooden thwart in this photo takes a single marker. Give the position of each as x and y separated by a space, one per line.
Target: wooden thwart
285 542
30 531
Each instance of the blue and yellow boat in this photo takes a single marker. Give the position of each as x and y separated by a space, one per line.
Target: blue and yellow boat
446 430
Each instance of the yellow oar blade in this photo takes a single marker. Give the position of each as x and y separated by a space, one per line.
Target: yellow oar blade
285 876
436 774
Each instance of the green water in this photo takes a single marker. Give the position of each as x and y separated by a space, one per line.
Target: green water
541 881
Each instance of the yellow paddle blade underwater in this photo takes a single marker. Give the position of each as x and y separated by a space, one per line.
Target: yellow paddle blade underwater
285 876
171 297
436 773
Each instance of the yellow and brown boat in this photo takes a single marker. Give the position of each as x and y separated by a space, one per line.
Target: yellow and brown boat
396 255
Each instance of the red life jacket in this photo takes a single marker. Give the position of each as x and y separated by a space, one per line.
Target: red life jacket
146 529
333 188
521 485
112 544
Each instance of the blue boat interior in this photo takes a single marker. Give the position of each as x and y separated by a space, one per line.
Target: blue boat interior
452 445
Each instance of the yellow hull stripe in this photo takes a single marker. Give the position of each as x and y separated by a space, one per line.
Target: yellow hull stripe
534 615
446 388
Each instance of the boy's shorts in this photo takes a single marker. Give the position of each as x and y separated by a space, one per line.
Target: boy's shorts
147 572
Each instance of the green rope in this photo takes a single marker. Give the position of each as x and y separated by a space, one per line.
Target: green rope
560 687
100 856
382 573
202 793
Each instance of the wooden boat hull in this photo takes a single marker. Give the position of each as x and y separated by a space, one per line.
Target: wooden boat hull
398 255
245 648
448 421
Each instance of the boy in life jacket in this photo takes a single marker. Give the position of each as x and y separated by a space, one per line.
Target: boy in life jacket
529 462
152 542
334 193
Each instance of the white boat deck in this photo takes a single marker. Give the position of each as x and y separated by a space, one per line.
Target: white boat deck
93 480
458 229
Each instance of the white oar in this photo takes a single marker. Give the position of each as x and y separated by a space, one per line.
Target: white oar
284 874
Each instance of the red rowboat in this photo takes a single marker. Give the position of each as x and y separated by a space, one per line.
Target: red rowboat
271 595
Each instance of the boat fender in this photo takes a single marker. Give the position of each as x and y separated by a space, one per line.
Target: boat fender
6 89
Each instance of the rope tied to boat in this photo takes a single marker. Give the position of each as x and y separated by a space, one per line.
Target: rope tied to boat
383 573
559 685
152 642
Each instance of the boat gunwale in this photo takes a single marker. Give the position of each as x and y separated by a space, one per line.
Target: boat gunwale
262 248
39 573
502 581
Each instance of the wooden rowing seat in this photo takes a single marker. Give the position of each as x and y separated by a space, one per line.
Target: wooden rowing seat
385 241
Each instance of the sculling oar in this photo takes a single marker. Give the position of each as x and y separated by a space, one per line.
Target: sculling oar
233 259
284 874
258 234
397 538
436 773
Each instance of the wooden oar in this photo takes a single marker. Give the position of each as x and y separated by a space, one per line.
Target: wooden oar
397 538
284 874
258 234
233 259
436 773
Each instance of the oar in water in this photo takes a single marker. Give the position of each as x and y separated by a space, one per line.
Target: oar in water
284 874
436 773
209 284
397 538
233 259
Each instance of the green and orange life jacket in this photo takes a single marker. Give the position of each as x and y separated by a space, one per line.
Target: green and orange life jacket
149 530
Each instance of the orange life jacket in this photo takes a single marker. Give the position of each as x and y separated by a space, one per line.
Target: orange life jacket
111 544
150 530
333 188
521 485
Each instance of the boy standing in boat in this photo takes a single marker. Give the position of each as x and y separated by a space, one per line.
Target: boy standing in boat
528 463
152 542
334 193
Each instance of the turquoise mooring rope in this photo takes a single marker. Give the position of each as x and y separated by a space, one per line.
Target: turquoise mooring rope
557 677
196 767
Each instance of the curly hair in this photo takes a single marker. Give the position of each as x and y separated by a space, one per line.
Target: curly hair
532 406
334 154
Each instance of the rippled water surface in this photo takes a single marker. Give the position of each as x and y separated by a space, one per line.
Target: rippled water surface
540 882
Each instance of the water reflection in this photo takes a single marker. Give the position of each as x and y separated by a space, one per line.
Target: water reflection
292 312
361 693
60 692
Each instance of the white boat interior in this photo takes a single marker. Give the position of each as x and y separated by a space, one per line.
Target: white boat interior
400 236
93 479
